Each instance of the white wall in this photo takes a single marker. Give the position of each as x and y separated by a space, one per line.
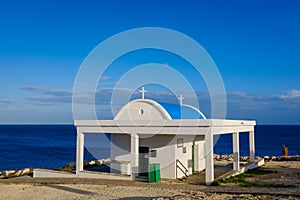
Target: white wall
167 153
184 158
142 109
120 152
164 145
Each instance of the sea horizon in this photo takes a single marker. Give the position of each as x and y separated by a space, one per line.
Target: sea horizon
52 146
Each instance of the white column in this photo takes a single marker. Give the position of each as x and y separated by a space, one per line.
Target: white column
134 146
199 159
209 158
236 151
196 157
79 152
252 146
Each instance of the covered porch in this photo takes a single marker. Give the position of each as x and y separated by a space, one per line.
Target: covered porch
204 127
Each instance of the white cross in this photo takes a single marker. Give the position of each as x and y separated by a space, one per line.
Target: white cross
181 99
143 91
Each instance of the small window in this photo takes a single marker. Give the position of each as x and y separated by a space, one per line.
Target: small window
153 153
141 111
180 142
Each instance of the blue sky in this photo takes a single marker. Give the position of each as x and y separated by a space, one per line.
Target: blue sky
255 45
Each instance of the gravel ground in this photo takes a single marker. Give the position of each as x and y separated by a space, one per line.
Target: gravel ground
63 191
54 188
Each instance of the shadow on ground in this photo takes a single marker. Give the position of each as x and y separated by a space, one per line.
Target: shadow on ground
199 177
69 189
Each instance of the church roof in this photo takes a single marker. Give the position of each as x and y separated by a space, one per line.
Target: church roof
147 109
177 111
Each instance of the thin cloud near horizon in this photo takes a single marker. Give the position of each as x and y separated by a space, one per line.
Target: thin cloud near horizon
239 104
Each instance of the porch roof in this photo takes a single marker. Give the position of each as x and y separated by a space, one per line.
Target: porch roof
168 126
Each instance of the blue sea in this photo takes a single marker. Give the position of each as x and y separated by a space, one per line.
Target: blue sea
52 146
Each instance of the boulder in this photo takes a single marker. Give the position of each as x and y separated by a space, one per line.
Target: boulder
8 172
244 158
92 162
18 173
229 159
85 163
278 157
71 165
106 161
99 162
267 157
25 171
226 157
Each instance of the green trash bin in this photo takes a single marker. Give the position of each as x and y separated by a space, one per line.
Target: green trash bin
154 172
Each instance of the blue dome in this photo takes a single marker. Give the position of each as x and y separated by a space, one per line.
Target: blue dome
181 112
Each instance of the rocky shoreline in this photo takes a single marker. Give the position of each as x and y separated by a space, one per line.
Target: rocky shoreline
15 173
229 157
87 164
68 167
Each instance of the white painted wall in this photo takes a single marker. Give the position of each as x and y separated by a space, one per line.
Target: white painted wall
184 158
165 147
120 153
142 109
167 153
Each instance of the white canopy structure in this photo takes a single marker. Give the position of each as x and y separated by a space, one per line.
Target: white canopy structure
142 119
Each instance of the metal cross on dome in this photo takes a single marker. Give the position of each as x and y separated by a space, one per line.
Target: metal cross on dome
143 91
181 99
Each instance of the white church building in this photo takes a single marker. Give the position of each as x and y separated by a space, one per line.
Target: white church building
178 137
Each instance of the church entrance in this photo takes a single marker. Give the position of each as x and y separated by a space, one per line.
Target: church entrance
143 161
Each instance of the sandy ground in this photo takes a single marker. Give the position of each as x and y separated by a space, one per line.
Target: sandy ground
86 191
31 188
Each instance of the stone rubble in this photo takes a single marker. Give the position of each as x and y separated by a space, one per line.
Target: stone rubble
87 164
68 166
229 157
14 173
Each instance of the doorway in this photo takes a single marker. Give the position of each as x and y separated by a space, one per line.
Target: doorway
143 161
